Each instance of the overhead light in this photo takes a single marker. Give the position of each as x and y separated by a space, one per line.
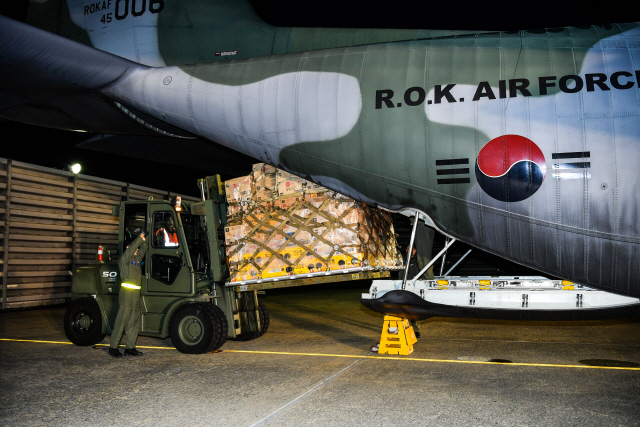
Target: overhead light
75 168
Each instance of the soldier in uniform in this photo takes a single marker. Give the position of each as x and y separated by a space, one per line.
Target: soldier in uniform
128 316
424 246
420 257
414 266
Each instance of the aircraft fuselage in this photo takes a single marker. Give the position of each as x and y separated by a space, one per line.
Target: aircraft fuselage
525 145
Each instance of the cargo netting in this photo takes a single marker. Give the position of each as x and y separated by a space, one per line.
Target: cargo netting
281 225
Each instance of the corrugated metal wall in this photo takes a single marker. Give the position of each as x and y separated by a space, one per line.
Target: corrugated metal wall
52 222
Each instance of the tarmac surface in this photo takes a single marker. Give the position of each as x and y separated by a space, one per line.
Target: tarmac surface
314 368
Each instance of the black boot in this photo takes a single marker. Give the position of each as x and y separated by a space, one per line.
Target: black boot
114 352
132 352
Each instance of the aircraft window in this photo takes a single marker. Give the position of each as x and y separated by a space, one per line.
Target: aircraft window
135 216
165 268
165 234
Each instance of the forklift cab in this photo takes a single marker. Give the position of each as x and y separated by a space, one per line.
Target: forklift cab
166 268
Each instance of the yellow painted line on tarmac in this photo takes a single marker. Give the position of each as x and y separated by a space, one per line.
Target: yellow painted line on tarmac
70 343
38 341
353 356
141 346
416 359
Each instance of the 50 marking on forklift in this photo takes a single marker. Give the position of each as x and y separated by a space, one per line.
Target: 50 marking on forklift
368 356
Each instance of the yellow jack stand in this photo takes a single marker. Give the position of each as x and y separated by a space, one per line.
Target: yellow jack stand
397 336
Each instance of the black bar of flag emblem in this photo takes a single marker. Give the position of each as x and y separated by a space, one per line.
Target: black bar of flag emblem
564 168
447 162
453 171
571 155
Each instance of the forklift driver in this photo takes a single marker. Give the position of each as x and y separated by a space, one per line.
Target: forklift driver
127 319
166 236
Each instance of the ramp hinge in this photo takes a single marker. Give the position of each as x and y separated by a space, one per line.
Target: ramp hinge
525 300
472 298
579 300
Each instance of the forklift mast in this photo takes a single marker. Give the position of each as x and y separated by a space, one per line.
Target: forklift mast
213 209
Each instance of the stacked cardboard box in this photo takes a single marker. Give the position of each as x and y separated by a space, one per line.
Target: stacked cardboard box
281 225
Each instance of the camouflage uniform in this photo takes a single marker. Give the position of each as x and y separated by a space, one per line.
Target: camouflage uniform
129 298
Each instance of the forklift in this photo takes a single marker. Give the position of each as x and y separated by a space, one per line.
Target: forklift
183 294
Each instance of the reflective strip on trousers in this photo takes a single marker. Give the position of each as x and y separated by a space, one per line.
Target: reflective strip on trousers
130 286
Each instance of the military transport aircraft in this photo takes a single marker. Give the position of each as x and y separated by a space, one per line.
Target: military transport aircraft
525 144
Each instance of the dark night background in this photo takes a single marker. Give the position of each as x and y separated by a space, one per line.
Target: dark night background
56 148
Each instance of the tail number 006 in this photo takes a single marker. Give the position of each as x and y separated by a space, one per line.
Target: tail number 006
138 7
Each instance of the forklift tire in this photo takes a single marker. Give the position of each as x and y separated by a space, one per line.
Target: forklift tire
195 329
217 311
83 322
264 324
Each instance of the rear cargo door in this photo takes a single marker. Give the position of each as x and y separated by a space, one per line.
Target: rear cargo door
167 266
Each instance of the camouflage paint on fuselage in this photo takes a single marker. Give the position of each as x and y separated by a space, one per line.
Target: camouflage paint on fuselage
175 32
394 123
